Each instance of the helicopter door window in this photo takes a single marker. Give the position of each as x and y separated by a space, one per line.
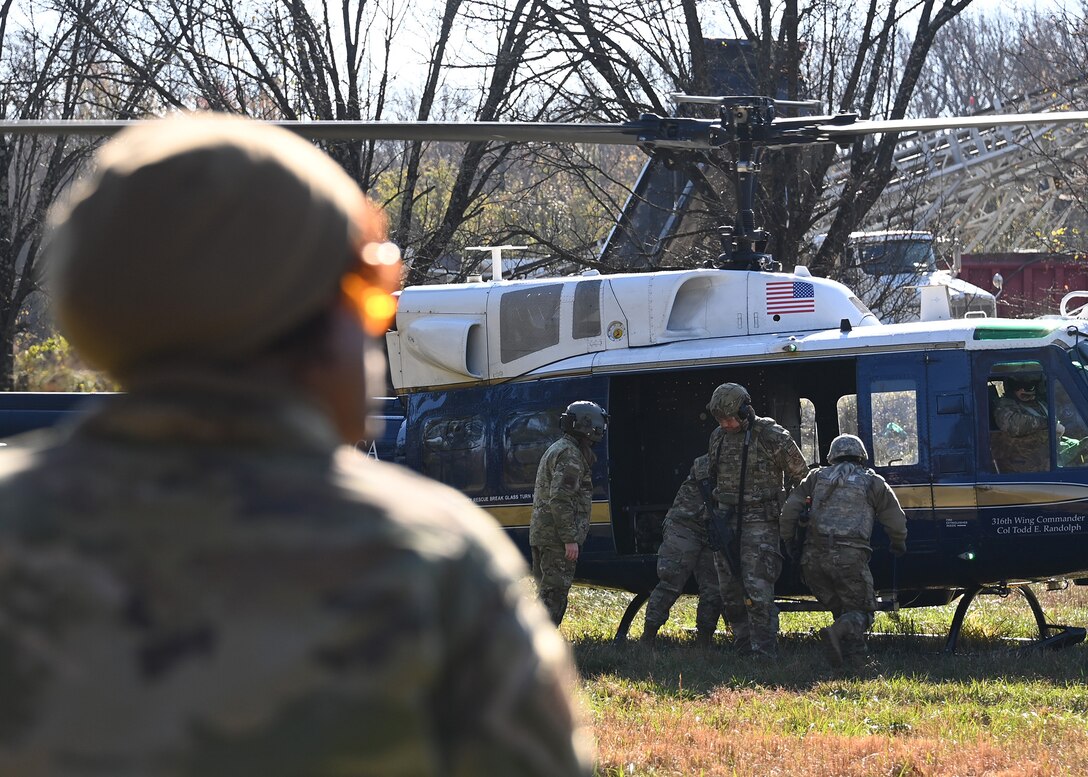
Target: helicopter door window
453 452
810 441
587 310
525 438
895 424
847 408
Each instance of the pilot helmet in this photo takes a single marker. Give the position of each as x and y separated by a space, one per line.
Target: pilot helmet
729 399
587 419
1024 382
847 446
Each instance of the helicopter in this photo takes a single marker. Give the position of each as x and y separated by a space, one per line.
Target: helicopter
483 371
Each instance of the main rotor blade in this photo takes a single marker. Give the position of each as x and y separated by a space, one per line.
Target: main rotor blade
498 131
90 127
470 132
833 131
649 131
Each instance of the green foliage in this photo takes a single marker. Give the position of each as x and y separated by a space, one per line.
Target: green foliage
52 365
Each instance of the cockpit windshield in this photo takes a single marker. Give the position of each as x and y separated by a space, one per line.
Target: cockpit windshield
895 257
1079 357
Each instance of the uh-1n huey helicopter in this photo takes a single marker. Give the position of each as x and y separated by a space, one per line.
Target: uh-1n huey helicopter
484 369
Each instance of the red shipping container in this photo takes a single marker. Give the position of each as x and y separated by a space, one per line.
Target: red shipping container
1034 282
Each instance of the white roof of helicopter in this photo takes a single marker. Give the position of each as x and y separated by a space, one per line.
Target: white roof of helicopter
963 334
475 333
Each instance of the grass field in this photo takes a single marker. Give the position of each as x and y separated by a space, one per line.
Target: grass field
998 711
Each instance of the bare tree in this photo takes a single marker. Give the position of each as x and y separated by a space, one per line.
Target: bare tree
50 68
1029 193
340 60
865 58
482 60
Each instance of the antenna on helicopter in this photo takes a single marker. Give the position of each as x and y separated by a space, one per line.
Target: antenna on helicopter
496 257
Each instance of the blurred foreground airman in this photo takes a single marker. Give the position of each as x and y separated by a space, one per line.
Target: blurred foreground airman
199 577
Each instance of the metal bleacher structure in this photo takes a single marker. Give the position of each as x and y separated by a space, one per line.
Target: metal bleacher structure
992 189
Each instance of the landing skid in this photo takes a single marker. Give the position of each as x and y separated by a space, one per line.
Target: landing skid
629 615
1051 636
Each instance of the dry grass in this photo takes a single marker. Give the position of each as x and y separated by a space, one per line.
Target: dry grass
746 753
678 711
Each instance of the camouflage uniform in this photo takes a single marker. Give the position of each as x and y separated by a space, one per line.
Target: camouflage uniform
207 584
201 577
685 550
846 497
774 461
562 500
1023 442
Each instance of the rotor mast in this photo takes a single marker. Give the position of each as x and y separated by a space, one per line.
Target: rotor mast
747 121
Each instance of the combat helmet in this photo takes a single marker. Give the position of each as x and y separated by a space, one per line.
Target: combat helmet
728 400
1029 381
587 419
847 446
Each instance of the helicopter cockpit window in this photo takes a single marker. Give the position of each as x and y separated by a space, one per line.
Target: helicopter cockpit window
1073 436
453 452
896 257
1079 355
587 310
1022 422
528 321
526 436
895 423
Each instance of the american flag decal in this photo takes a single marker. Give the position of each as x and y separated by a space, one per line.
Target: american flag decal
790 297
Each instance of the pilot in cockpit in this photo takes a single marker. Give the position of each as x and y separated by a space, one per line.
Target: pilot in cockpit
1022 415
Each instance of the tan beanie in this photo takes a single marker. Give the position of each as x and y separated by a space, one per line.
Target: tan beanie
202 238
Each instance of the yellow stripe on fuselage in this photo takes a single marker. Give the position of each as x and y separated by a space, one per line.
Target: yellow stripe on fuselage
914 497
971 495
513 516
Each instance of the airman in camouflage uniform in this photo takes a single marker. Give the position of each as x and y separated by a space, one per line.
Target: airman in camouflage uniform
684 550
846 498
774 463
1023 419
562 501
200 577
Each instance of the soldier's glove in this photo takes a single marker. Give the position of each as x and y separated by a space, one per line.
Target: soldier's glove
897 548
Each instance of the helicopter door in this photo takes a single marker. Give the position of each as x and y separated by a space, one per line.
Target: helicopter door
891 416
914 411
